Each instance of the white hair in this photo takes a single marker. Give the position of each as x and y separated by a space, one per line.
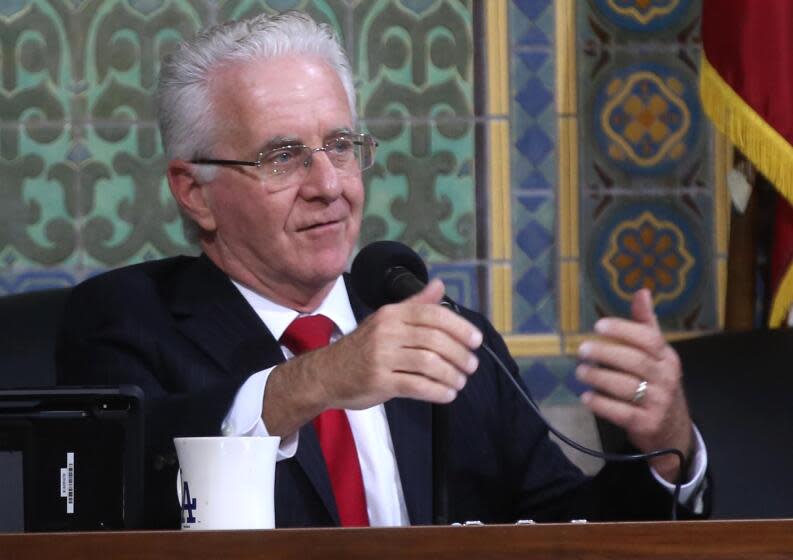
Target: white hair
184 106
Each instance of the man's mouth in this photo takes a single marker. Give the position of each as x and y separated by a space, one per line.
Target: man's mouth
318 225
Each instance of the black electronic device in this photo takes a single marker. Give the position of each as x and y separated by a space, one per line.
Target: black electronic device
71 458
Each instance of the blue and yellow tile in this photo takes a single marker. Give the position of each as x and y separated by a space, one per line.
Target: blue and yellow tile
662 243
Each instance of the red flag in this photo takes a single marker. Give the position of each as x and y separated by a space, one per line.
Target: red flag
746 86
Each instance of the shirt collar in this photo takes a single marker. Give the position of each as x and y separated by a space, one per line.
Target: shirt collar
336 306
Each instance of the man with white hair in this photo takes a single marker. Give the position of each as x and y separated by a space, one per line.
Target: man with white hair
262 335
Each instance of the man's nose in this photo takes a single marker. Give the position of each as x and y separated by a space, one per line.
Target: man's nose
322 177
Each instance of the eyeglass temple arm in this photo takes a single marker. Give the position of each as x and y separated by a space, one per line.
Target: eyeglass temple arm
224 162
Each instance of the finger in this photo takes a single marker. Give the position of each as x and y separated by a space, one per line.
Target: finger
445 320
432 366
617 412
418 387
619 357
645 337
447 347
642 308
432 293
615 384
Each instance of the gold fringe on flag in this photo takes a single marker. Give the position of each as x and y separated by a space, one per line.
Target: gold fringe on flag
768 150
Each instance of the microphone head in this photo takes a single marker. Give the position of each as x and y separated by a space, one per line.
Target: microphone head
372 267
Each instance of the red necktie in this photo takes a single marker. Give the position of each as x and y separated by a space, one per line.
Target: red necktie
333 428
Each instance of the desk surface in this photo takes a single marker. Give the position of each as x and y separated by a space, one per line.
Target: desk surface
692 540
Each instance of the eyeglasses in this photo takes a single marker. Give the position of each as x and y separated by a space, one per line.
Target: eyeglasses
283 166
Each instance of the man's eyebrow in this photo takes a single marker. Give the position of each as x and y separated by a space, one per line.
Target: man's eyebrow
280 142
341 131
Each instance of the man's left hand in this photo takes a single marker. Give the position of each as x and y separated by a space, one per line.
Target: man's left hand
631 352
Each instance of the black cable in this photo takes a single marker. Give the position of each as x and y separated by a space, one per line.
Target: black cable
594 453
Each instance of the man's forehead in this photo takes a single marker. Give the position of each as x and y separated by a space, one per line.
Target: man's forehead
275 83
292 99
277 69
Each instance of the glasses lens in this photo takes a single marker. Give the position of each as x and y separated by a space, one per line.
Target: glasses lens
280 167
342 152
283 161
366 150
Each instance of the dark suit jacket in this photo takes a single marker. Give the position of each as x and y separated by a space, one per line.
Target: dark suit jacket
180 330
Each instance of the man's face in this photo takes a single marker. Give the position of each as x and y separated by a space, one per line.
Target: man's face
295 242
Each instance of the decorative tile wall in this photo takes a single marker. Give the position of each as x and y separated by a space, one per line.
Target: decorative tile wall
611 178
646 172
545 157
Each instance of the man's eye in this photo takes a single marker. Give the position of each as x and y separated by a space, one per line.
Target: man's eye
340 145
283 156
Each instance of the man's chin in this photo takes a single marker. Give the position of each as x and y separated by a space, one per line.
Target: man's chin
323 270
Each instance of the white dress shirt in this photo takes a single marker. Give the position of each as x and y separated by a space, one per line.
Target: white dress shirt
385 501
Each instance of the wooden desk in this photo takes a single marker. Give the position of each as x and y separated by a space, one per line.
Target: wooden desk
693 540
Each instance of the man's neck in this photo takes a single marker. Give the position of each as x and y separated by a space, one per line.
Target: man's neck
301 298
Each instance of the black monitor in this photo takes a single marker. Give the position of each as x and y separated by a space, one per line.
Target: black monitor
71 458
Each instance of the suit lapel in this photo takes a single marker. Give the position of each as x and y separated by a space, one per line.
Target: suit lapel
209 310
309 457
410 424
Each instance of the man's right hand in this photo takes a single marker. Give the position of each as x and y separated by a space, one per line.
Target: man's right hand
416 349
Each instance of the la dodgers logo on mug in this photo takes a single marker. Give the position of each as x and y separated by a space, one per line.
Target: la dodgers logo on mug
188 505
227 482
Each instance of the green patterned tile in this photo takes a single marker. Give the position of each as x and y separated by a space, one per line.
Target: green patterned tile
414 64
37 200
123 49
422 191
415 59
35 63
129 212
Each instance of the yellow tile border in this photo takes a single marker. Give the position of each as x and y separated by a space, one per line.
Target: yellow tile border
572 342
500 215
501 290
498 131
522 346
568 188
497 57
565 44
568 206
569 308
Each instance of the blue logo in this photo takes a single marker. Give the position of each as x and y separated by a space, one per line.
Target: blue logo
188 505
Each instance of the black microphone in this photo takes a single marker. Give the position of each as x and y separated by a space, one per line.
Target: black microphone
387 272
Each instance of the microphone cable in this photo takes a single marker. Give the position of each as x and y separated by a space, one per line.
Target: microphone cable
607 456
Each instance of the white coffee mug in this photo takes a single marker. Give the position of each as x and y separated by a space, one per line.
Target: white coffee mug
227 482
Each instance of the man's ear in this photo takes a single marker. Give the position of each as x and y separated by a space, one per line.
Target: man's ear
190 194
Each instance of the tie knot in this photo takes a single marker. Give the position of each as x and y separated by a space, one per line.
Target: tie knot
307 333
